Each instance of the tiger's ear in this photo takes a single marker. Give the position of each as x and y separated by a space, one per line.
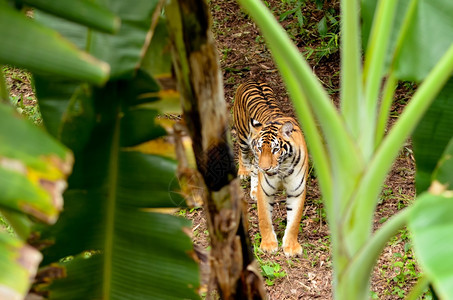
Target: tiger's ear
255 126
287 129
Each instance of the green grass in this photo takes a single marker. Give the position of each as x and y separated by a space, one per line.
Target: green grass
18 77
389 193
5 227
400 270
31 111
313 23
272 271
225 52
19 80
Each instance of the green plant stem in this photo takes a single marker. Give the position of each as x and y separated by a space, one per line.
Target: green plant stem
317 149
380 165
390 86
4 96
345 157
373 68
351 87
405 28
339 172
384 110
278 41
311 131
356 276
418 288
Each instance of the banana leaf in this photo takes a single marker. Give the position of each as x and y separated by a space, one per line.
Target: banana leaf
432 227
431 137
37 48
420 48
142 254
110 227
84 12
430 220
124 50
18 263
33 169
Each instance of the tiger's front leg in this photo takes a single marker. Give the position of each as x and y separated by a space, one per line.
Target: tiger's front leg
265 197
294 209
244 164
254 183
246 168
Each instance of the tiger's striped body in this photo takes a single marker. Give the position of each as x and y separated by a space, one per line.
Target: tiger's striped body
278 158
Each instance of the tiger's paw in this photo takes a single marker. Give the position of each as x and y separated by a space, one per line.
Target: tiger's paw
269 246
243 173
292 248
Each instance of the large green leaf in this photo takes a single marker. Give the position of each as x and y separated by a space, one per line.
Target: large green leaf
124 50
432 136
161 69
444 170
24 43
18 263
85 12
431 225
144 181
160 267
428 36
112 192
427 40
160 47
144 255
33 168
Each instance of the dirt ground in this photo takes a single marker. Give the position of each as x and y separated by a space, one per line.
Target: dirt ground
244 56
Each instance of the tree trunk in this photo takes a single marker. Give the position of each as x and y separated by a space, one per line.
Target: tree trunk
233 267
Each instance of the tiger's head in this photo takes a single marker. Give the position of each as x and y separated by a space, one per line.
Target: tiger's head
271 144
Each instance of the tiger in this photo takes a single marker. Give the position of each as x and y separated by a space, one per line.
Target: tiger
273 152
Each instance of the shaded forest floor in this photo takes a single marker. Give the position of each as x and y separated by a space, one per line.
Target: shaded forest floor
244 56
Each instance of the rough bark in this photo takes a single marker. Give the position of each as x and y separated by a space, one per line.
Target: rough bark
234 270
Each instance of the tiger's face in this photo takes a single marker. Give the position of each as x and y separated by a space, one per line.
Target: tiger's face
271 145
